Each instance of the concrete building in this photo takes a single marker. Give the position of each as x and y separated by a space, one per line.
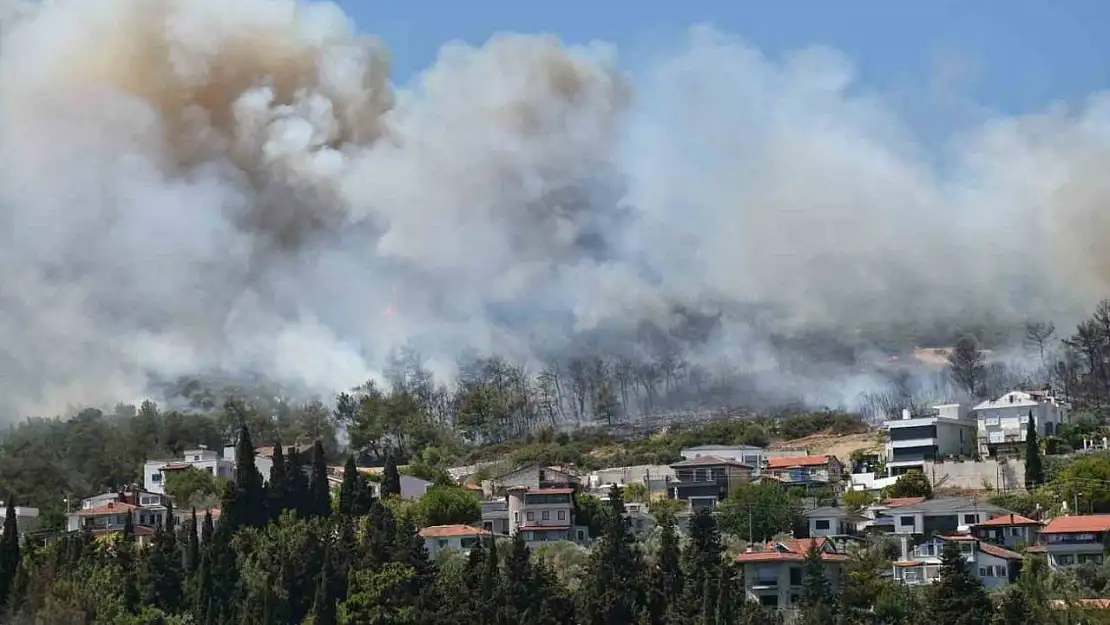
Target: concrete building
26 518
532 476
819 470
754 457
654 476
943 516
1009 530
544 515
412 488
155 472
916 439
107 513
1071 540
994 566
773 572
829 521
1002 422
461 538
707 480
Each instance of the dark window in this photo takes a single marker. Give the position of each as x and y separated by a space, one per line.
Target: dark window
795 576
971 519
906 434
905 521
546 515
531 516
822 524
562 515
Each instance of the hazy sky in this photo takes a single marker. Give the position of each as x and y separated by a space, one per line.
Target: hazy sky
1009 56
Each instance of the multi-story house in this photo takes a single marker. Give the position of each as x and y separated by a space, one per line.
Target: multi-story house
531 476
654 477
773 572
829 521
155 472
706 481
26 518
1002 422
1070 540
461 538
754 457
805 469
943 516
994 566
108 513
544 515
1009 530
915 439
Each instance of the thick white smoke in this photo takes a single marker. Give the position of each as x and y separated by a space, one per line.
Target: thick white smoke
197 184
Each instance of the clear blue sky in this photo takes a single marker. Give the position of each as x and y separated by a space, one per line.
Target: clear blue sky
1011 56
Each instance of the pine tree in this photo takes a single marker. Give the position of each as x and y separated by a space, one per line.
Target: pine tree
818 604
1034 465
321 489
9 551
277 491
324 605
391 477
957 597
349 489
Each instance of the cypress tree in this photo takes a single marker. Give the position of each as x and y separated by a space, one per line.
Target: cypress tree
277 493
125 558
321 490
391 477
613 592
1034 465
203 587
298 497
192 550
817 602
349 489
957 597
519 597
324 606
9 551
244 503
162 574
702 560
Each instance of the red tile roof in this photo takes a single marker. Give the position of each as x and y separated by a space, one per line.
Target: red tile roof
176 466
791 551
998 552
1007 520
452 531
898 502
550 491
115 507
1078 524
797 461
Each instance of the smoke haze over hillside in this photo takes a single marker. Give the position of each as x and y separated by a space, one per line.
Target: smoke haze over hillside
191 185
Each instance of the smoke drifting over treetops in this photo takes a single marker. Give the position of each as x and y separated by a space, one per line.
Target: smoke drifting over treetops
190 185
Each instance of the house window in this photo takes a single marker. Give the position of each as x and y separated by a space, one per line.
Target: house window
581 536
156 477
795 576
196 458
441 543
971 519
487 525
562 515
516 517
546 515
905 521
210 472
822 524
531 516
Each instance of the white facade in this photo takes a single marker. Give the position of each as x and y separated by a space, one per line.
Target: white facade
754 457
993 566
412 488
26 518
946 430
1002 422
155 471
645 474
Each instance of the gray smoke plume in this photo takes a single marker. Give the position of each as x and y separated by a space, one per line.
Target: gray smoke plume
191 185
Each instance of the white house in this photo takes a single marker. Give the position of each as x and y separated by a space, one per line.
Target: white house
108 513
944 430
773 572
1002 422
935 516
653 476
412 488
202 458
829 521
754 457
26 518
461 538
994 566
1070 540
